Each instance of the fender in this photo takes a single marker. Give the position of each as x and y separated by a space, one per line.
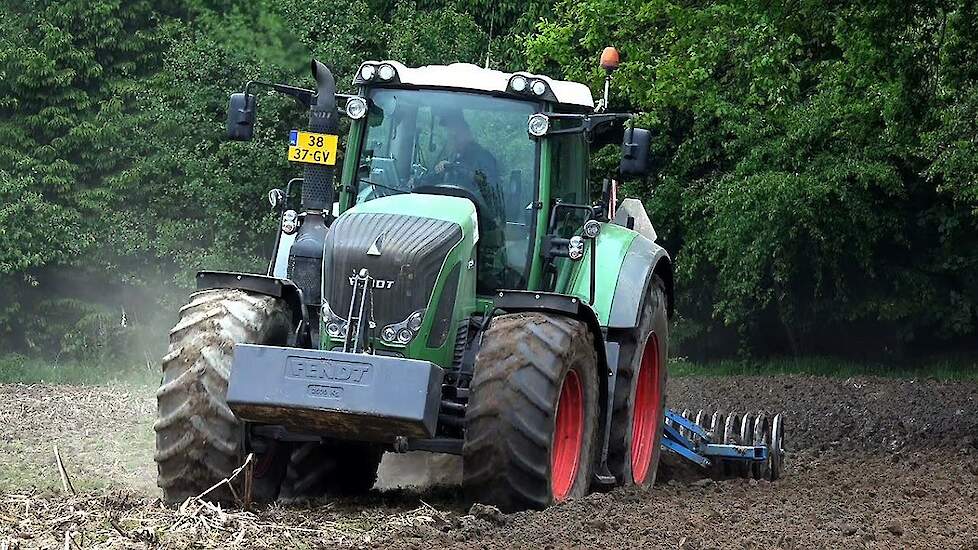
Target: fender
511 301
643 259
283 289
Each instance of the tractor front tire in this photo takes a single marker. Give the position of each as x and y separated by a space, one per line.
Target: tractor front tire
198 439
640 394
342 468
531 420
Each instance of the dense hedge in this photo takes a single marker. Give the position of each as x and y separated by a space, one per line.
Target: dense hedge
815 161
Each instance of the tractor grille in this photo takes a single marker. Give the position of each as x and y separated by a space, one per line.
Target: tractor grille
461 341
407 253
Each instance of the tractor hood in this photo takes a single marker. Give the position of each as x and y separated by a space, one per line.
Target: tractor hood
413 247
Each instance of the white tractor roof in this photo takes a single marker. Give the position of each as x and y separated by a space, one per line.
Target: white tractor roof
473 77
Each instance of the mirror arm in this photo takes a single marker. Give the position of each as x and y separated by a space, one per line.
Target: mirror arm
595 121
302 96
552 226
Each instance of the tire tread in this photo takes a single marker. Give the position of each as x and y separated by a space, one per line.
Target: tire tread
514 391
198 438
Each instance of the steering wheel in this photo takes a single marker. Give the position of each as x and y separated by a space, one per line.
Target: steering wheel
433 178
453 169
487 223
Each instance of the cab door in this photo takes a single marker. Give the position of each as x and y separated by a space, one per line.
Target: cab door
569 185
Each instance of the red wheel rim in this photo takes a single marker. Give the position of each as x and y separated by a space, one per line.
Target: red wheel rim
568 437
647 412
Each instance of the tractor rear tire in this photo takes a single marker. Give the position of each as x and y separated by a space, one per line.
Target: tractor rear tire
342 468
636 439
531 420
199 441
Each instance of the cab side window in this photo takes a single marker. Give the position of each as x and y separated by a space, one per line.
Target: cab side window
568 168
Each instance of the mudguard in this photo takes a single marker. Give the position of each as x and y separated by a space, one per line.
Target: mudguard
512 301
261 284
643 259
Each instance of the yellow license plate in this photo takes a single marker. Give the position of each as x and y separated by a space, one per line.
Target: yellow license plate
312 148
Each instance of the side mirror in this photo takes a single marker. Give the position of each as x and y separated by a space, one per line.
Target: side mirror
276 197
241 117
635 147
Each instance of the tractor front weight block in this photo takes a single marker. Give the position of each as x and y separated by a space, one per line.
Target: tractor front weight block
350 396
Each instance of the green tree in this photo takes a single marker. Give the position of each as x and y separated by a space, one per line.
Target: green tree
792 180
117 183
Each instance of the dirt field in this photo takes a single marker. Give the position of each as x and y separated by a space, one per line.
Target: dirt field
873 463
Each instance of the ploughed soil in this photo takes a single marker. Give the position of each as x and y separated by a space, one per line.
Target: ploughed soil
872 463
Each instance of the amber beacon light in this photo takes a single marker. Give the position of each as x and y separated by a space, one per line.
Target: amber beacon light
610 59
609 62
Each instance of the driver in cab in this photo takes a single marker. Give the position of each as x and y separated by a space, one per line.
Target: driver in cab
467 164
463 161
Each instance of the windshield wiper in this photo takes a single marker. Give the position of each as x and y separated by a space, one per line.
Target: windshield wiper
389 188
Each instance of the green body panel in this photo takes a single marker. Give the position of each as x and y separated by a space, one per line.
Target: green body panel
347 178
436 207
574 278
451 209
535 280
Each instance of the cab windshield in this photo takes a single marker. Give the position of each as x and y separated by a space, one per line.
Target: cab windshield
468 145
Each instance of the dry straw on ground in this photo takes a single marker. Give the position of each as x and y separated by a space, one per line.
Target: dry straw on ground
118 520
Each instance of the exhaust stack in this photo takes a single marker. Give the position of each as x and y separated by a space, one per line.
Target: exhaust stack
317 185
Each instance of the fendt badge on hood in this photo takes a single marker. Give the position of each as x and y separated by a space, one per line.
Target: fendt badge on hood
374 283
374 249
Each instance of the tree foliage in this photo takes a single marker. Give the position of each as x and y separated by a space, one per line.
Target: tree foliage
816 166
816 163
116 182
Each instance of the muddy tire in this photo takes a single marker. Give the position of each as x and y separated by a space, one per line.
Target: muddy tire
635 443
198 439
343 468
531 421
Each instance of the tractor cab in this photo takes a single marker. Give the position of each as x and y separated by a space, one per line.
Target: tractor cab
462 144
504 157
464 131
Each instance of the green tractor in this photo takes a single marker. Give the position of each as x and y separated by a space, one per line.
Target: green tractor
461 286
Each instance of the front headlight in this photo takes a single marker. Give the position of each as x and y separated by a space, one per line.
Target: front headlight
414 321
538 125
538 87
592 228
367 72
356 107
575 248
402 333
290 222
335 325
386 72
518 84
